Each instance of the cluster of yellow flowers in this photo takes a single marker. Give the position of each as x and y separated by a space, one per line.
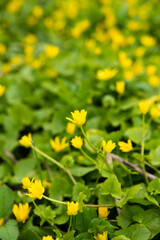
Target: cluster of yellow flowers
34 187
144 106
124 147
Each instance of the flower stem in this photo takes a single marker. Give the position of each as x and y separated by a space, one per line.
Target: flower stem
101 155
55 162
87 156
54 200
142 148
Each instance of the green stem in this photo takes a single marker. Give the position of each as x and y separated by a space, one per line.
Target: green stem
55 162
101 155
142 148
70 224
54 200
154 168
87 156
39 165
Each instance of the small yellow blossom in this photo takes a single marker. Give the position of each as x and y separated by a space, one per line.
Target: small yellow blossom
47 238
124 60
120 87
6 68
30 39
97 51
70 128
151 70
21 212
1 221
79 28
26 182
2 49
154 80
143 107
32 21
72 208
26 141
14 6
28 49
48 22
102 236
51 51
77 142
37 11
46 183
79 117
103 212
16 60
2 90
128 74
109 146
106 74
148 41
57 145
140 51
125 147
36 190
155 112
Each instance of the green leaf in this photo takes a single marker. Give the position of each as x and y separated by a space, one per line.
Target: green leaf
46 214
111 186
135 134
155 154
69 235
29 234
21 114
154 187
6 201
130 193
135 232
83 236
83 219
59 188
79 171
151 199
9 231
81 198
78 188
121 237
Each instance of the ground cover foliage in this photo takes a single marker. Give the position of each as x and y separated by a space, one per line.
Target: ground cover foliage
101 58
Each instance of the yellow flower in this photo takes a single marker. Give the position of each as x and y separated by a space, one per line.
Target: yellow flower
77 142
72 208
102 236
155 112
51 51
14 6
47 238
30 39
140 51
28 49
97 51
31 20
2 49
16 60
70 128
151 70
109 146
79 28
125 147
21 212
2 90
128 75
26 182
1 221
148 41
57 145
154 80
124 60
79 117
36 190
26 141
106 74
103 212
46 183
6 68
143 107
37 11
120 87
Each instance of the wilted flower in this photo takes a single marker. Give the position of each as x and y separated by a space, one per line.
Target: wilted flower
21 212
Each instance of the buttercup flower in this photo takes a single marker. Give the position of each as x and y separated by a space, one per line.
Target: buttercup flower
70 128
1 221
109 146
77 142
57 145
2 90
21 212
143 107
125 147
103 212
51 51
26 182
155 112
102 236
72 208
37 11
106 74
151 70
120 87
26 141
154 80
47 238
148 41
79 117
2 49
36 190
